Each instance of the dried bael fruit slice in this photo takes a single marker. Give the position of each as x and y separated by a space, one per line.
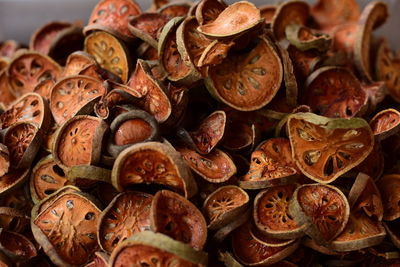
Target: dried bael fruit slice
77 62
252 252
208 10
153 162
29 68
385 123
6 96
224 205
44 88
247 80
42 39
335 92
126 215
154 249
175 9
304 38
236 19
329 14
78 141
74 95
147 26
13 219
269 241
271 213
324 148
12 180
373 165
175 216
4 159
388 186
66 229
110 53
215 167
271 164
16 246
268 12
323 209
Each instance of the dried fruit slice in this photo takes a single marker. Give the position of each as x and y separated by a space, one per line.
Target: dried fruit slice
240 136
247 81
323 209
335 92
126 215
86 176
388 185
271 213
6 96
175 216
12 180
268 12
175 9
208 10
224 205
236 19
304 38
304 62
44 89
110 53
215 167
13 219
76 62
153 162
148 248
74 95
78 141
385 123
66 229
324 148
214 54
147 26
4 159
16 246
42 38
222 233
269 241
329 14
29 68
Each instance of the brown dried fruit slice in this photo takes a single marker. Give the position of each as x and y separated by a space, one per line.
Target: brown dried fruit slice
46 178
175 216
78 141
208 10
147 26
291 88
304 38
335 92
74 95
148 248
323 209
271 213
388 186
12 180
236 19
76 62
221 234
304 62
66 229
175 9
29 68
44 89
113 16
126 215
385 123
324 148
373 165
13 219
110 53
240 136
329 14
225 205
247 80
23 140
215 167
42 38
6 96
153 162
344 38
291 12
269 241
4 159
16 246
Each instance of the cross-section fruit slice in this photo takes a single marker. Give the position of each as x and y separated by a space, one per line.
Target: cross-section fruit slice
76 62
385 123
4 159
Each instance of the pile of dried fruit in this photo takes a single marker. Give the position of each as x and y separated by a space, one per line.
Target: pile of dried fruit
202 134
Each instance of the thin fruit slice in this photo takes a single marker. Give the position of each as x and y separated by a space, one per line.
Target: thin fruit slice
222 233
304 38
267 12
8 48
175 216
126 215
224 205
4 159
324 148
148 248
323 209
269 241
388 185
76 62
271 213
385 123
12 180
328 14
147 26
44 89
16 246
247 80
292 90
153 162
208 10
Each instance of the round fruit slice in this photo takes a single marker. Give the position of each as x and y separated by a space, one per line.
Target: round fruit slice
224 205
385 123
74 95
66 229
208 10
12 180
153 162
329 14
304 38
42 38
388 185
126 215
16 246
154 249
324 148
271 213
29 68
247 80
335 92
147 26
269 241
79 141
323 209
110 53
76 62
175 216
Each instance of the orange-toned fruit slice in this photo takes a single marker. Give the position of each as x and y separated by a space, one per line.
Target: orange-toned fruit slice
385 123
388 185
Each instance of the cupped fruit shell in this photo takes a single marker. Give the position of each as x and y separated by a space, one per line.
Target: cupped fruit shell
385 123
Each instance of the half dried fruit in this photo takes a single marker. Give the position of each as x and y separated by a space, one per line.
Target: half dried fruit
388 185
385 123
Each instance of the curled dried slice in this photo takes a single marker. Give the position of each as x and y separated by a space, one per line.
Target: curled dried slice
324 148
4 159
12 180
323 209
388 185
335 92
147 26
373 165
175 9
127 214
240 136
385 123
74 95
13 219
304 62
328 14
148 248
224 205
269 241
6 96
271 213
42 38
153 162
66 229
16 246
78 141
110 53
247 80
304 38
208 10
236 19
76 62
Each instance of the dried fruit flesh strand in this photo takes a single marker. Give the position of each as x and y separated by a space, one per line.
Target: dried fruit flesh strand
177 9
329 14
388 185
127 214
324 148
385 123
